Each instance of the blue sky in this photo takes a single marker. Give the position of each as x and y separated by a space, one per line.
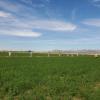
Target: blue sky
49 24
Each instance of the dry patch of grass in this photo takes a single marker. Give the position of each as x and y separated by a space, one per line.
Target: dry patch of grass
97 86
77 98
48 98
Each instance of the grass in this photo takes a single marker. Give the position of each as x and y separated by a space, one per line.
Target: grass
3 54
50 78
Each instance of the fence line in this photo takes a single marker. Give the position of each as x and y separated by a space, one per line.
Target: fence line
44 54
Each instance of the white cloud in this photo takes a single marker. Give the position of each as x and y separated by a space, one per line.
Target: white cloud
17 27
23 26
5 4
4 14
95 0
20 33
27 24
53 25
10 25
95 3
16 7
28 34
92 22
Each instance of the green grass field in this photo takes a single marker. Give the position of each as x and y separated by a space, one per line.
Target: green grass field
50 78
